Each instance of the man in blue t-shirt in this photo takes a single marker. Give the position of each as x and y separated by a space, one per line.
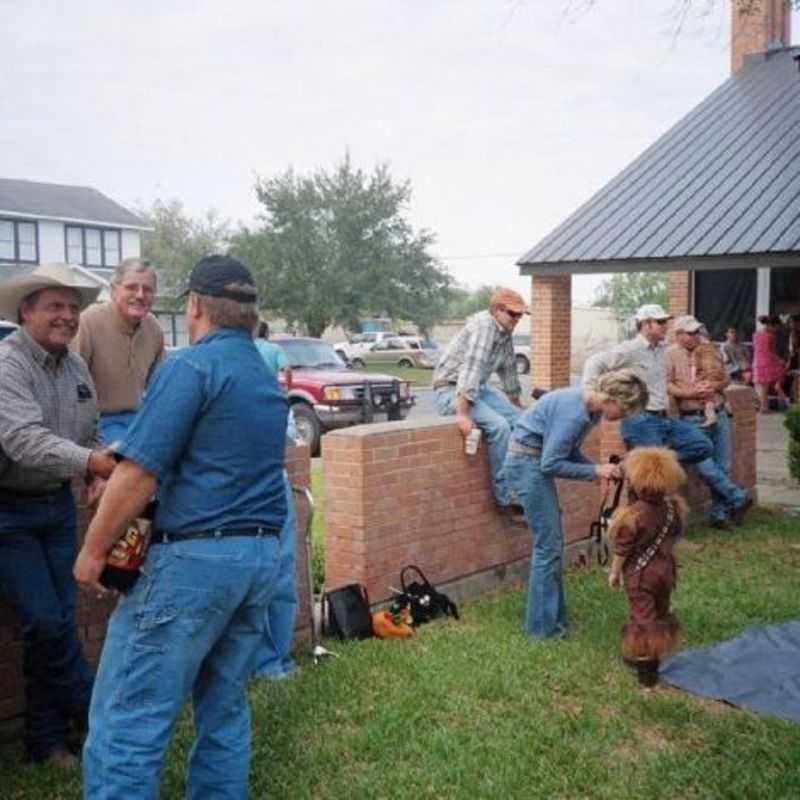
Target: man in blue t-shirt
194 621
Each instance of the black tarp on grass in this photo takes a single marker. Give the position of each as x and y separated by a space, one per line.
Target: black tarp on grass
758 671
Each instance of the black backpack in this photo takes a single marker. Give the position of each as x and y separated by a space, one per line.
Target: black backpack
422 598
346 613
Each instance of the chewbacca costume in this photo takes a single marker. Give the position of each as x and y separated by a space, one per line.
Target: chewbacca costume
643 535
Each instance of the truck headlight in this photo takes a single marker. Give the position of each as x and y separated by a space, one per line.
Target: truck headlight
332 394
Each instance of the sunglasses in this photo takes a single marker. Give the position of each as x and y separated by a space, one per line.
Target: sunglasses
513 314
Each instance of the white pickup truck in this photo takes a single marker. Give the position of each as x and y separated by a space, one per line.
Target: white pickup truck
361 342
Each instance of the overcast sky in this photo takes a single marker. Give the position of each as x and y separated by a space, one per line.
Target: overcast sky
505 115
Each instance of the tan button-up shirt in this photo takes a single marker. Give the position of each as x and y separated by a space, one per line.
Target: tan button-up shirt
681 375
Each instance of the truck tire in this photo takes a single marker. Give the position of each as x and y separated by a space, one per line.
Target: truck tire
358 363
404 362
522 364
309 430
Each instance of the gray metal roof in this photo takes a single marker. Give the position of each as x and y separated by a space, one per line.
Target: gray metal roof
54 201
719 188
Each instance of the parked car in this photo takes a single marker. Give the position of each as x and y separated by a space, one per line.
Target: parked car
400 352
522 353
327 394
361 342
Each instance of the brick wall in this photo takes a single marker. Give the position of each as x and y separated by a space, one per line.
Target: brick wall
551 322
92 614
404 493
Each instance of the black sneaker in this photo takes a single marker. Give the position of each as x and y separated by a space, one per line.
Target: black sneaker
721 524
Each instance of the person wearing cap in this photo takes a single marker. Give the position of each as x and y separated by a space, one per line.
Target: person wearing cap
461 379
122 344
193 623
696 379
48 414
645 354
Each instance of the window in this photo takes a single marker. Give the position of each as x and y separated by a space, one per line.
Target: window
92 247
18 241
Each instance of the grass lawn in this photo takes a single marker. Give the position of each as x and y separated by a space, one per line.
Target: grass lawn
418 377
471 709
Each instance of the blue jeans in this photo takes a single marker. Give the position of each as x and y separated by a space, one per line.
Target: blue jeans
37 550
113 427
650 430
716 470
274 657
495 416
546 611
191 625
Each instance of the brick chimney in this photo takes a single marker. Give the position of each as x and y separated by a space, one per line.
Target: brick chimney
758 25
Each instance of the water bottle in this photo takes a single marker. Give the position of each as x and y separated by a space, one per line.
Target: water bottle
472 442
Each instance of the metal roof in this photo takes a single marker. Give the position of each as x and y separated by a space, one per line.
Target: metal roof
30 199
720 187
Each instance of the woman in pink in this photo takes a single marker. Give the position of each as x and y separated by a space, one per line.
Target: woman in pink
768 367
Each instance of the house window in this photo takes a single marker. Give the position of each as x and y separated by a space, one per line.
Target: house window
93 247
18 241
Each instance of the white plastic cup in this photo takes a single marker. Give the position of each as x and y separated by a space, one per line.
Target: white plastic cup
472 442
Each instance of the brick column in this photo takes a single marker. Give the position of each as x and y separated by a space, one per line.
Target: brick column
551 322
680 301
757 25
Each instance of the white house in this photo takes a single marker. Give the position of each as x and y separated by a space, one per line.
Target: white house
45 222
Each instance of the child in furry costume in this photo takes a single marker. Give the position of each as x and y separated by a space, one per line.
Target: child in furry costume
642 535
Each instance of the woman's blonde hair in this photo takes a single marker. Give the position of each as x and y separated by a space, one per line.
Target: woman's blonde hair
625 388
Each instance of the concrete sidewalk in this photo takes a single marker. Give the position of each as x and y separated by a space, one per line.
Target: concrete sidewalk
775 486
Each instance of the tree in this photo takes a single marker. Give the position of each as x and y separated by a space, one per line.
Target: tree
336 246
177 241
625 292
463 302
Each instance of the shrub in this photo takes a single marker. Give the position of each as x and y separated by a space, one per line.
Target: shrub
792 423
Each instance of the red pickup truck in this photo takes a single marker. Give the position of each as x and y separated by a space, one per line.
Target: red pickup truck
327 394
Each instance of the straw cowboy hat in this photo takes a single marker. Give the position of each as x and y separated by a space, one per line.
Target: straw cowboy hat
46 276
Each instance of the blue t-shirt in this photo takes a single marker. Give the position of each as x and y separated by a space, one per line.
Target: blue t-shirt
557 424
211 428
273 354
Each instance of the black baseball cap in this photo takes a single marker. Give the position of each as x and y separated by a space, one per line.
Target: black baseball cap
213 276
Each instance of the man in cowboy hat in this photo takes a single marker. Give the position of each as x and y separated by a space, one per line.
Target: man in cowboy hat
47 432
461 379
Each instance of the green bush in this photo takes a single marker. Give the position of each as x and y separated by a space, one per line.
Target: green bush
792 423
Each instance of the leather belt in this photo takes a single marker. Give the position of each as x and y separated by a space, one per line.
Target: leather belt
523 449
443 385
166 537
660 413
700 412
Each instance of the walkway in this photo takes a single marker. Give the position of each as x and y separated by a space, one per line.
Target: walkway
775 485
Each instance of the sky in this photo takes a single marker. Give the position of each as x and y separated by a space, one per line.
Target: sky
504 115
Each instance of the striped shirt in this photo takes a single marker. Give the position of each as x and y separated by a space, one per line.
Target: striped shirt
647 360
481 347
48 414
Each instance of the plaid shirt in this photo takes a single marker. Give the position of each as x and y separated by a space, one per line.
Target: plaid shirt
481 347
48 413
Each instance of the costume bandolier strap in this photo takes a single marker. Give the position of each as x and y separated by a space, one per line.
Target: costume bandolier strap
648 555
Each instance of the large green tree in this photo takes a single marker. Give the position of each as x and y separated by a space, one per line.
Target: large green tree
626 291
178 241
336 246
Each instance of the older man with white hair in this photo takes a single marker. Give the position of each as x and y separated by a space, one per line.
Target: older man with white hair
48 413
122 343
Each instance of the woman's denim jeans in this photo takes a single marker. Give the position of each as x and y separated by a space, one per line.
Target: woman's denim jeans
495 416
192 625
37 551
546 612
